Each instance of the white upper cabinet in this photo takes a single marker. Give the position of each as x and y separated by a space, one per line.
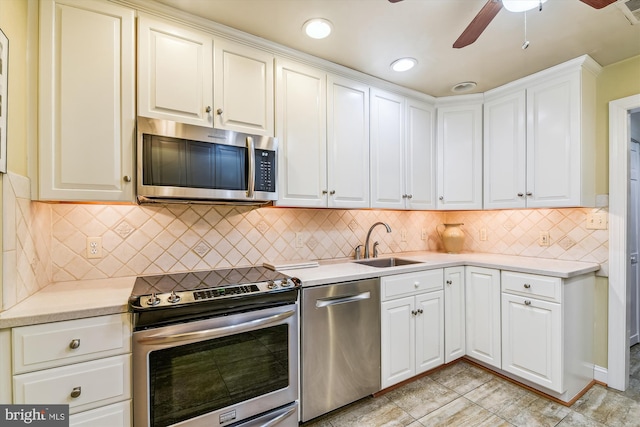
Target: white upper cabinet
243 88
539 139
420 155
301 130
347 143
459 170
86 107
175 74
323 133
189 77
402 152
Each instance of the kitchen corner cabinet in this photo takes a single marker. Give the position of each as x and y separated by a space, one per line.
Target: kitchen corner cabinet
539 145
412 325
547 331
459 148
187 76
323 133
85 363
86 107
483 321
402 152
454 314
175 72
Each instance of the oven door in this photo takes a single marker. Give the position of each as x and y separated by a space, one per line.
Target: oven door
218 371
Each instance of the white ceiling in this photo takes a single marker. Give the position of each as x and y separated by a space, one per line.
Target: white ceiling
369 34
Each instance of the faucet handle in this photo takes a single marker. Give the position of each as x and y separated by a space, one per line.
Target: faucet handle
375 249
358 251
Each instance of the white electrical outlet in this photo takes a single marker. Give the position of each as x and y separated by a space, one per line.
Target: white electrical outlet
597 221
299 240
94 247
543 240
483 234
403 235
424 234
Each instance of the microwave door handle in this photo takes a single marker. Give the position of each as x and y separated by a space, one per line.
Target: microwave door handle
251 181
202 334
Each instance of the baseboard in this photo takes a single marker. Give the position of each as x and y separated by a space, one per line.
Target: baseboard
600 374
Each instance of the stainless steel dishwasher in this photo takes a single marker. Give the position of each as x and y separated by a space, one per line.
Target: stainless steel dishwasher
340 345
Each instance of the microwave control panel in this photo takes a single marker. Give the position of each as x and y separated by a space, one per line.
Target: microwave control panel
265 170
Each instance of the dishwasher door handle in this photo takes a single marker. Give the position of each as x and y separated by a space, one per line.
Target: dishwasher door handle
326 302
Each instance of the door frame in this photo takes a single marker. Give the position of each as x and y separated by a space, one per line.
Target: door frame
618 316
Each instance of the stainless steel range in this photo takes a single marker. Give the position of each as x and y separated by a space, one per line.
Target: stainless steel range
216 348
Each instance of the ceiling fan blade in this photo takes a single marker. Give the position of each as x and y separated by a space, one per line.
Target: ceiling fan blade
479 23
598 4
394 1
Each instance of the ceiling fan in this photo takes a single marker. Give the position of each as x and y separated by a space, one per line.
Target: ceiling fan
489 11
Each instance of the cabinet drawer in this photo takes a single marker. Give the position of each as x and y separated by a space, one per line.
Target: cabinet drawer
545 287
55 344
116 415
96 383
411 283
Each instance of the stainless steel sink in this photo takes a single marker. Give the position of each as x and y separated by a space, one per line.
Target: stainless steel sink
386 262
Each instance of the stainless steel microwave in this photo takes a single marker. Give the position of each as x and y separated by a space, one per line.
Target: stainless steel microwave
180 163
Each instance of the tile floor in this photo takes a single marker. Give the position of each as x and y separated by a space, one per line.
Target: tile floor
465 395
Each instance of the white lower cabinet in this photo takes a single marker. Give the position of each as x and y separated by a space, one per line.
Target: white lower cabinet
482 300
83 363
412 324
454 314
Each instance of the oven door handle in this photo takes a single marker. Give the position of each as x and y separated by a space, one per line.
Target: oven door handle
202 334
263 421
326 302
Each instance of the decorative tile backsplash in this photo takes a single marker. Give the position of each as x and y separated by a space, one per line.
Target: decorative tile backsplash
50 240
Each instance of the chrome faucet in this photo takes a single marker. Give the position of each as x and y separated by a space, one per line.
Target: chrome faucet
366 243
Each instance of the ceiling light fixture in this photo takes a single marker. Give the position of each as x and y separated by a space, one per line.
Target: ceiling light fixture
403 64
317 28
464 87
522 5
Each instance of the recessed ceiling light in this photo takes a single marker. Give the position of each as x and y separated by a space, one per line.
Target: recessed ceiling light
464 87
403 64
317 28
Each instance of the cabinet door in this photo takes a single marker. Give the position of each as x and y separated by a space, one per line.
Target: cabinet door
116 415
86 107
429 330
505 152
420 154
482 300
347 143
387 158
302 134
174 72
532 340
454 314
243 88
553 143
460 157
398 329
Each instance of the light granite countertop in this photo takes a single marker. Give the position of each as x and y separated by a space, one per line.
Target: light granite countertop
88 298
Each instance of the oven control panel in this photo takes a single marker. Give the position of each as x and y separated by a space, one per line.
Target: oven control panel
185 297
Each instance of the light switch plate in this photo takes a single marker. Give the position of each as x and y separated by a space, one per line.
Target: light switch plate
597 221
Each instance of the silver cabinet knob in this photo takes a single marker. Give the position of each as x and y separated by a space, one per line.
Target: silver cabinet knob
219 111
529 193
527 286
404 196
420 311
76 392
520 194
441 198
414 313
449 282
208 109
74 344
324 191
127 178
527 302
332 192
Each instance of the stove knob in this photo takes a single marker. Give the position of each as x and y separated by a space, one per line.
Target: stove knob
272 285
173 298
285 283
153 300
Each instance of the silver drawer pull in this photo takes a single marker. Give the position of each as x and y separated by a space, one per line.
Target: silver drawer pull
527 302
76 392
527 286
74 344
